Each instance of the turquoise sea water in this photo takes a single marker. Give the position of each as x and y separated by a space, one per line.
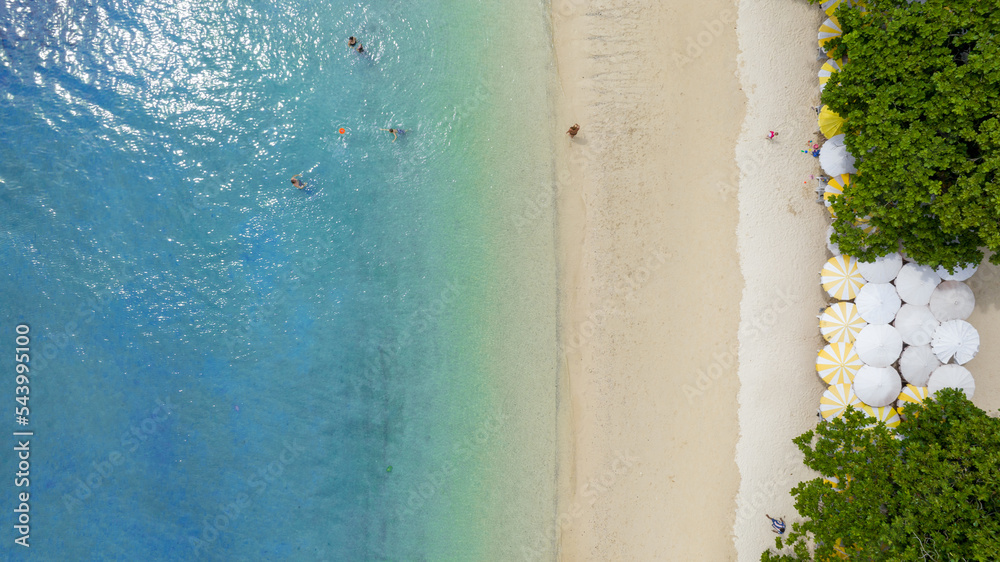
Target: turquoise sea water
225 367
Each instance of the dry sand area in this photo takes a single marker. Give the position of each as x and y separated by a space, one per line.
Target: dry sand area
692 251
648 215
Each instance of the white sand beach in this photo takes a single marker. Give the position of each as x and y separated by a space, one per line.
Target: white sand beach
782 237
648 215
692 248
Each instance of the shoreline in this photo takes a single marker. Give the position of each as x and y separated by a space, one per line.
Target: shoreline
650 291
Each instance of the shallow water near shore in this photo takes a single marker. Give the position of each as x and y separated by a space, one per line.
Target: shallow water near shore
225 367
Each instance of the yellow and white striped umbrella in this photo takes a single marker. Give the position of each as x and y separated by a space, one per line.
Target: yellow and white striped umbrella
838 547
841 322
834 188
829 30
830 123
836 399
886 414
830 6
841 278
834 482
837 363
911 394
829 67
864 224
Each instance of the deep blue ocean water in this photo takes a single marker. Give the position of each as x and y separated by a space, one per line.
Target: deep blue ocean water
226 367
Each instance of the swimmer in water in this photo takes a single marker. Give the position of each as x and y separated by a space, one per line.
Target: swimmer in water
297 182
395 133
352 41
361 48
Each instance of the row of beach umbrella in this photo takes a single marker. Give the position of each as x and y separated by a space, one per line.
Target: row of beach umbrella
893 318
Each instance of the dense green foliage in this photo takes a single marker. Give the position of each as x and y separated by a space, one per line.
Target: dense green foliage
921 95
928 491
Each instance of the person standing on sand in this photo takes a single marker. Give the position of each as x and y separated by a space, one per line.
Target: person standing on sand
573 130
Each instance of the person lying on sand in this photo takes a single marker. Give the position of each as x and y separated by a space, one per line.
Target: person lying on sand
573 130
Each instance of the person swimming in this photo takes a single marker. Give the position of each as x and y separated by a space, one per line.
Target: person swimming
297 182
361 48
395 133
352 41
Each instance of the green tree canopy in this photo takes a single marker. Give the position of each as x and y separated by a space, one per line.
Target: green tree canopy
921 95
928 491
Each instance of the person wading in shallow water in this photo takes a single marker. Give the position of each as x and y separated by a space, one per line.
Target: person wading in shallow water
573 130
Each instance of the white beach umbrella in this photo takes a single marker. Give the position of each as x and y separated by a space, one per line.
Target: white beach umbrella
840 277
885 414
961 273
830 245
837 363
917 363
877 386
840 322
883 270
952 376
955 339
829 67
834 157
911 395
951 300
836 399
916 324
915 283
877 303
878 345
